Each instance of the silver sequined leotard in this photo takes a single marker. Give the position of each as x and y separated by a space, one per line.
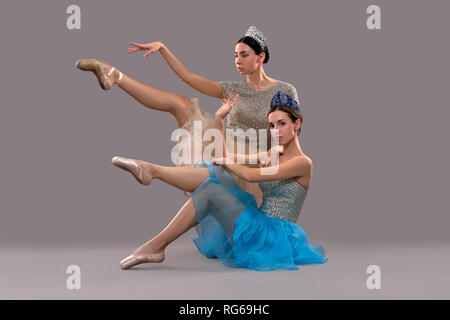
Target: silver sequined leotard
282 199
250 112
253 105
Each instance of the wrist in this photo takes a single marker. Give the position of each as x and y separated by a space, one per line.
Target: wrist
219 122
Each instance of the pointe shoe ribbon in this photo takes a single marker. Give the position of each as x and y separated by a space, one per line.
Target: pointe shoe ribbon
136 167
133 260
104 79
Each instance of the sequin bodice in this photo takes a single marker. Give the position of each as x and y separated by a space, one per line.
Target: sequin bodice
253 105
282 199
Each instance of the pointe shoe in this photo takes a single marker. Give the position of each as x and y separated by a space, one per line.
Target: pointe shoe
105 79
133 260
136 167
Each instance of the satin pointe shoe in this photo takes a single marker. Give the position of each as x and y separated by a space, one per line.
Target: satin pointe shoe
133 260
99 68
136 167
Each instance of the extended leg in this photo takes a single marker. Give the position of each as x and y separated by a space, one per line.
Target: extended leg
186 217
153 250
222 207
182 222
176 104
184 178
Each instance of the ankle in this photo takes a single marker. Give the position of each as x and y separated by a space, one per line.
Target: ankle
151 247
114 73
117 75
154 170
120 76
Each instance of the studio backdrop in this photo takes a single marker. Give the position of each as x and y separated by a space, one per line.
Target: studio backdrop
375 104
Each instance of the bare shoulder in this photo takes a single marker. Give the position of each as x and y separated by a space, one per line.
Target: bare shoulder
305 167
307 160
304 162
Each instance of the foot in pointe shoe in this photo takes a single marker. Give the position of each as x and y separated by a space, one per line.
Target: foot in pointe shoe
138 258
107 75
138 168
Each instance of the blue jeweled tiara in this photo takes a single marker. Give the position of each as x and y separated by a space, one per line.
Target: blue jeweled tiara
284 99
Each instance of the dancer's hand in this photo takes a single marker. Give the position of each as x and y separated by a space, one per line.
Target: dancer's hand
267 160
226 107
151 47
264 163
277 148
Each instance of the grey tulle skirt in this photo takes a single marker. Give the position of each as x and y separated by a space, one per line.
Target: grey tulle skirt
187 140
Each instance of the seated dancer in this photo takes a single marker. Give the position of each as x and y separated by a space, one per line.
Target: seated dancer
229 224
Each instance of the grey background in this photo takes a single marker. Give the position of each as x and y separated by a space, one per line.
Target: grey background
375 105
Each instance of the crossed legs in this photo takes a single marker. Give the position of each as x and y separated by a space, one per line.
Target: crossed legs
181 108
186 179
183 178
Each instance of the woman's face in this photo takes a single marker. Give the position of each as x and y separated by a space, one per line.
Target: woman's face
287 129
246 58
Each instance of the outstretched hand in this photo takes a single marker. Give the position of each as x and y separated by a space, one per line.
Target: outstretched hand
226 107
151 47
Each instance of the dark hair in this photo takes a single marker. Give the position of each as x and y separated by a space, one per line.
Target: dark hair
252 43
293 114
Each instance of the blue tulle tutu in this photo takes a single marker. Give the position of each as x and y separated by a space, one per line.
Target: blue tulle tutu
232 229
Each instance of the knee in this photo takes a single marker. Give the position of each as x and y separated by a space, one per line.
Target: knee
181 104
182 108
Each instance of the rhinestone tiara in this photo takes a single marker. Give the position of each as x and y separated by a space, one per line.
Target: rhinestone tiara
256 34
284 99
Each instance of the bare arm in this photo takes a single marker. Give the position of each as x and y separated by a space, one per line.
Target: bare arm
295 167
199 83
253 158
245 158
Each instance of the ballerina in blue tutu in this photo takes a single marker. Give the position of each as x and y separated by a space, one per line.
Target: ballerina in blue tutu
229 224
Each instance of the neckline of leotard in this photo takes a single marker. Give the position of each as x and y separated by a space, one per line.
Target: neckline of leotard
306 189
278 81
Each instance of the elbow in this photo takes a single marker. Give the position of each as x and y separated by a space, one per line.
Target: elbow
250 177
